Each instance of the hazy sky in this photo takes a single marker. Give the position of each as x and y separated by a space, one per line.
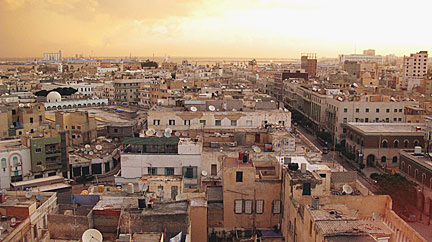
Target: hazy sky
206 28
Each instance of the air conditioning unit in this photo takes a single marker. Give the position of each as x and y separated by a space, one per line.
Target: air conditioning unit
232 144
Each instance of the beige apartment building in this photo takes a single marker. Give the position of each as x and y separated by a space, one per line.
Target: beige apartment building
126 91
81 127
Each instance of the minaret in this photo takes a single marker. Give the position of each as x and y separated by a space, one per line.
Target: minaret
121 66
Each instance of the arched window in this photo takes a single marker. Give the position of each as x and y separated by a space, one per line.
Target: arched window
3 164
358 141
409 170
423 181
403 166
15 161
415 174
394 160
396 144
416 143
383 159
384 144
406 144
362 143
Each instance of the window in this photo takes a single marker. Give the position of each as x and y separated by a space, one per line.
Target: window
357 110
345 120
152 171
187 122
203 122
218 122
399 119
395 110
248 206
281 122
31 120
169 171
190 172
367 110
345 110
171 122
38 150
79 127
406 144
367 120
233 122
73 136
377 110
306 188
264 122
388 110
73 127
238 206
239 176
396 144
400 110
384 144
394 160
156 122
213 171
276 206
259 206
383 159
249 123
416 143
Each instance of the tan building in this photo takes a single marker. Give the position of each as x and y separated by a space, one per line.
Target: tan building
126 91
81 127
251 194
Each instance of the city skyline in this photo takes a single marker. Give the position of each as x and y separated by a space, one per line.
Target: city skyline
261 29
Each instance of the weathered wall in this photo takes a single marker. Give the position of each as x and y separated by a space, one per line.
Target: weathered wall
198 217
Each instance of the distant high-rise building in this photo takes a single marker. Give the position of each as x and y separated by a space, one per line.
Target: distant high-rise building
309 63
369 52
414 69
52 56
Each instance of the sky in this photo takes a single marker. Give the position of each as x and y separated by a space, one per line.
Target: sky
213 28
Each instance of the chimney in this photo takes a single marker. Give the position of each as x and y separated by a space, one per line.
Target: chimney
303 168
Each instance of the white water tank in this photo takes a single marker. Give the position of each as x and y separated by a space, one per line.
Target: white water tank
130 188
417 150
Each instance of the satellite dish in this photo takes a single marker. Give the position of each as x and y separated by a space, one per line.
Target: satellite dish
257 149
177 133
159 134
39 197
180 197
87 146
91 153
168 130
99 147
194 109
234 110
347 189
167 134
92 235
149 132
184 134
212 108
204 173
28 195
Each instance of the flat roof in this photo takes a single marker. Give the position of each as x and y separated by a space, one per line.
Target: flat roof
52 187
150 141
37 180
388 128
235 162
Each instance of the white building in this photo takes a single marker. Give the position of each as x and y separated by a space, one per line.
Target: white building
361 58
205 120
414 68
79 103
53 56
160 156
15 162
106 69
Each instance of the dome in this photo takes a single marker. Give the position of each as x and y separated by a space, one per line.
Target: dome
53 97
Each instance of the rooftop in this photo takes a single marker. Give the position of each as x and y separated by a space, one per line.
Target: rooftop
235 162
421 159
388 128
151 141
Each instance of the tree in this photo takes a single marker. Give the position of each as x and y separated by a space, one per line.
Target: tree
149 63
397 187
64 91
